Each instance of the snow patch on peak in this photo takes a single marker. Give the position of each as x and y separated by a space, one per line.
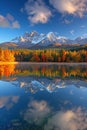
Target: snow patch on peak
79 38
62 37
22 39
33 33
51 36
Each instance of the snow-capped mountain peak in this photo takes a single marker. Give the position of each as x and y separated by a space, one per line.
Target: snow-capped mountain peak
79 38
34 38
33 33
51 36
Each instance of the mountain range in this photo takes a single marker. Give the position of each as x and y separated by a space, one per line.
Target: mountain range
35 40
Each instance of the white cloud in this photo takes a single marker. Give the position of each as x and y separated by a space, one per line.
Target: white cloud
73 7
15 24
85 35
10 17
22 10
66 21
72 32
82 26
8 21
37 11
4 22
68 120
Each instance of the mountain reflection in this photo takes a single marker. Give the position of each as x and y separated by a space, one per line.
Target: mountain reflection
34 78
43 84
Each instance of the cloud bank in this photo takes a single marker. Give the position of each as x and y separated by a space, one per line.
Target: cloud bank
8 22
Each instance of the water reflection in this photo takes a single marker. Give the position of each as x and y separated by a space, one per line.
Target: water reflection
36 112
8 101
43 97
34 78
68 120
7 70
63 71
50 85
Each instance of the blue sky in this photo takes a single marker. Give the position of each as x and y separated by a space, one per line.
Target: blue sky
66 17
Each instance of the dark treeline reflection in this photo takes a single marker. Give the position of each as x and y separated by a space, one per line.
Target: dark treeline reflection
62 71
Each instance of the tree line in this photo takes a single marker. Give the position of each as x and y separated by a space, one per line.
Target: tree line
49 55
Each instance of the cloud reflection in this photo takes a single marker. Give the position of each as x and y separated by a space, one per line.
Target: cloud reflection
68 120
36 111
8 101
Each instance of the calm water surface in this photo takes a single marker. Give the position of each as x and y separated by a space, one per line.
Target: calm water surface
43 97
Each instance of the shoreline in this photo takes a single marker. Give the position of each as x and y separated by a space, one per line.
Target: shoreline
44 63
9 63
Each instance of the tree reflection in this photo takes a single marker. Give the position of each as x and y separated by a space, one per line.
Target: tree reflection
44 70
7 70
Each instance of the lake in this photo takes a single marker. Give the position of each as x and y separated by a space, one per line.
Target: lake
43 97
